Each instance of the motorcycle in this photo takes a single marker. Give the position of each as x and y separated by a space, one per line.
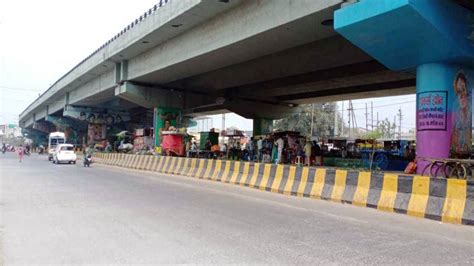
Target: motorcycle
87 160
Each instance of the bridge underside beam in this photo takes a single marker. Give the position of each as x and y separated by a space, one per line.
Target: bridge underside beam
150 96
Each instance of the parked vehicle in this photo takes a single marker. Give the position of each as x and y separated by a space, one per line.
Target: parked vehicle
55 138
64 153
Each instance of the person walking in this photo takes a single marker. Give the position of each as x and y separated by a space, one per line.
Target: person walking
20 152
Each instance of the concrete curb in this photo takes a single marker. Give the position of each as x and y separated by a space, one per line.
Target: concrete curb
447 200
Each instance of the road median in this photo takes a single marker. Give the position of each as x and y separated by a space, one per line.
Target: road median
446 200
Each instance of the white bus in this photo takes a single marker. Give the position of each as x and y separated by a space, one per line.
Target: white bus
55 138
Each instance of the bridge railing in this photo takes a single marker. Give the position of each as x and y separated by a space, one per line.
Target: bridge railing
130 26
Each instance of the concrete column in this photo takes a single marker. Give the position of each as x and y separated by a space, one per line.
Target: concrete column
444 111
262 126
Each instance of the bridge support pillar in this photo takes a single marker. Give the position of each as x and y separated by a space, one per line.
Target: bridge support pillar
435 38
444 111
262 126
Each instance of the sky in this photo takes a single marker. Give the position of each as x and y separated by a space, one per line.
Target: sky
41 40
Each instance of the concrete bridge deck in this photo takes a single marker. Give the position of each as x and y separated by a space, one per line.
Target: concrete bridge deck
263 55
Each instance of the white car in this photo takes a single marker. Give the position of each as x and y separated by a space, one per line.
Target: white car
64 153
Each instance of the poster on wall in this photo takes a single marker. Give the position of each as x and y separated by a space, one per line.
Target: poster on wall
432 110
461 117
96 132
109 117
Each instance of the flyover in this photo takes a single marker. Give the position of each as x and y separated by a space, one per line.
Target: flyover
258 59
187 54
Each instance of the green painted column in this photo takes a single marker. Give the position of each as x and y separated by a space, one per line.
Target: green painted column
161 116
262 126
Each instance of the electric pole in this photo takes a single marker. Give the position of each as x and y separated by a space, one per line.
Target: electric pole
400 123
372 115
342 118
394 125
349 110
366 119
352 119
223 122
377 119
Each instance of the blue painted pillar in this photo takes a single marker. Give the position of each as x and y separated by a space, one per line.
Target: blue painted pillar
444 111
435 38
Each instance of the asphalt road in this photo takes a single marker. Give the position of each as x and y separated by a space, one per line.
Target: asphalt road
70 214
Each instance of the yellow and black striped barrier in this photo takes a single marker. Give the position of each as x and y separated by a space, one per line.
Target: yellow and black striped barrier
447 200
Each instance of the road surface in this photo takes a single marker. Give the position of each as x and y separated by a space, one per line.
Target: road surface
70 214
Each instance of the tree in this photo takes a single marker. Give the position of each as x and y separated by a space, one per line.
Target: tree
300 120
384 129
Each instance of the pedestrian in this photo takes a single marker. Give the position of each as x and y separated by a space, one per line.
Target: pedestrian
260 149
250 149
223 150
187 147
20 152
208 148
280 143
238 150
194 150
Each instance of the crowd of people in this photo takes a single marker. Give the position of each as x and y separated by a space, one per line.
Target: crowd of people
268 149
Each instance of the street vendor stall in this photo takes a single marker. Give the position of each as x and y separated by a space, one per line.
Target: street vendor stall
143 139
235 140
173 143
289 141
208 144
